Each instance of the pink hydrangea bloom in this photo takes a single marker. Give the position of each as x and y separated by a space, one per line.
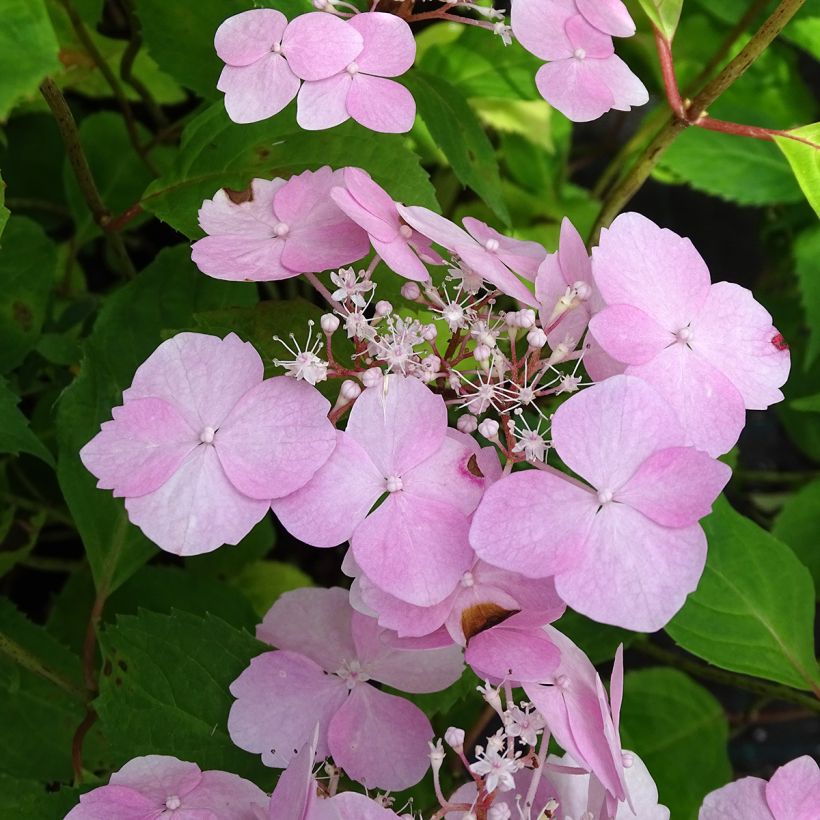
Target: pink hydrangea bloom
359 89
628 549
579 715
158 786
401 248
710 350
397 447
489 254
583 78
793 793
202 443
326 655
281 229
511 799
265 58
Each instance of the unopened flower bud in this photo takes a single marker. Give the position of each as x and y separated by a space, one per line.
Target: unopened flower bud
436 754
383 308
329 323
526 318
372 377
482 353
429 332
628 759
467 423
511 318
411 291
536 338
454 738
350 390
489 429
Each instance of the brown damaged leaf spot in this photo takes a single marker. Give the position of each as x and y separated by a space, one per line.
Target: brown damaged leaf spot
472 467
238 197
479 617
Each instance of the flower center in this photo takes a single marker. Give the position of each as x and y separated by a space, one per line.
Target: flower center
393 483
604 496
277 48
491 245
352 69
282 229
406 231
207 435
351 673
173 802
684 335
579 54
467 580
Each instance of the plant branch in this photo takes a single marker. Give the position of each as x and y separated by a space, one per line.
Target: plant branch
24 658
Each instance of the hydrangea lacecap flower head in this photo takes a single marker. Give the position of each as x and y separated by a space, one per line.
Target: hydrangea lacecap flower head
326 655
511 799
626 550
792 793
710 350
158 787
266 57
583 78
280 229
202 442
396 447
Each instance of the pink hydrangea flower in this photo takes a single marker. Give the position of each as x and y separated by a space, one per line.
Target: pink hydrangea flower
489 254
283 228
326 655
400 247
793 793
158 786
202 443
579 715
583 78
510 799
265 58
710 350
396 447
359 89
626 550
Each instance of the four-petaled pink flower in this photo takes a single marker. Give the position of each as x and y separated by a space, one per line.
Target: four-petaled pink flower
793 793
628 549
326 655
202 444
397 448
158 787
360 89
710 350
400 247
283 228
489 254
266 57
583 78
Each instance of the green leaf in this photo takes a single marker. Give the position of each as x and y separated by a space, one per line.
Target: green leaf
805 161
598 641
28 51
29 800
798 525
9 558
27 263
753 611
806 254
164 689
130 326
225 563
680 732
807 404
4 211
262 582
458 133
217 153
15 435
664 15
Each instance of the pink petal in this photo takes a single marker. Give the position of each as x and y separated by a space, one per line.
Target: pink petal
280 698
239 259
400 258
252 218
380 104
627 89
435 227
248 36
202 376
260 90
158 776
362 739
364 218
374 198
313 622
140 449
532 522
599 364
610 16
675 487
633 572
616 687
295 792
604 433
745 799
303 198
735 334
326 511
223 794
519 255
490 267
106 802
275 438
629 335
571 86
400 423
639 264
389 46
318 45
197 509
539 26
415 549
707 404
323 103
351 806
793 793
389 660
594 43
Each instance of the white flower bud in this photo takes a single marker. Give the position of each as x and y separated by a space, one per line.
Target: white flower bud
536 338
454 738
411 291
329 323
383 308
467 423
429 332
372 377
526 318
489 429
482 353
350 390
